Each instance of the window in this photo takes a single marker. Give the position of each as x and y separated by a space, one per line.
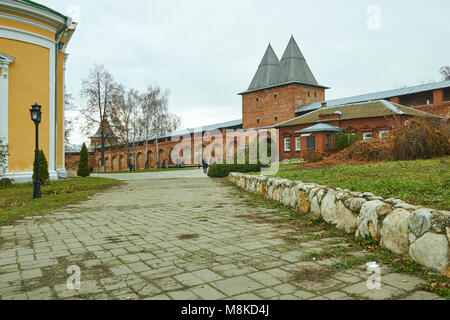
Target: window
257 120
297 144
257 99
311 143
287 144
329 142
315 94
276 118
275 95
367 136
309 94
384 134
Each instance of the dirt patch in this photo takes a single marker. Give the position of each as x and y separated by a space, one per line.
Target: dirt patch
100 266
142 251
202 218
188 236
113 239
58 274
361 152
312 274
201 256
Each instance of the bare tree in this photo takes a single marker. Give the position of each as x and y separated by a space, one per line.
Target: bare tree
157 120
445 72
68 119
101 92
121 120
137 123
126 118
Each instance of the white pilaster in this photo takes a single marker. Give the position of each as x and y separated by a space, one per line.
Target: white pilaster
5 61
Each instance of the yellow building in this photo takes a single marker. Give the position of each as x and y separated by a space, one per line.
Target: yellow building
33 40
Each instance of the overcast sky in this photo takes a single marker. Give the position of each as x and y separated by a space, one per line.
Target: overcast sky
205 52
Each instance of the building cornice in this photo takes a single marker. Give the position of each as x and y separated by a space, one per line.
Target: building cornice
27 21
34 10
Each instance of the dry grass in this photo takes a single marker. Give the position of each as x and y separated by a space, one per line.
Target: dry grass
420 140
312 274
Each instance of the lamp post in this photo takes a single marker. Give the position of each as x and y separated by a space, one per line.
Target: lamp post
36 113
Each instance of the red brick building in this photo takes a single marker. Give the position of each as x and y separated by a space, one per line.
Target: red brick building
314 131
285 95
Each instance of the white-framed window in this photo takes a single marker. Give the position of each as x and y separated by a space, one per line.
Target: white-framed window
298 146
384 134
367 136
287 144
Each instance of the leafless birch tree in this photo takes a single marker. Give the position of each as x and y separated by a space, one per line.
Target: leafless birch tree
156 118
101 92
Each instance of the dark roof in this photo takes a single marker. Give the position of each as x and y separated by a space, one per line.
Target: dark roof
380 108
376 95
293 66
267 72
228 124
108 133
291 69
320 127
76 149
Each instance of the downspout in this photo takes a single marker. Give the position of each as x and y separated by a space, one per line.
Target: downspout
58 46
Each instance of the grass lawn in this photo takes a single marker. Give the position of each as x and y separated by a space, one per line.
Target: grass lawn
419 182
17 201
149 170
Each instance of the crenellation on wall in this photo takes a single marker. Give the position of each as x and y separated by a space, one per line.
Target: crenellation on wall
407 230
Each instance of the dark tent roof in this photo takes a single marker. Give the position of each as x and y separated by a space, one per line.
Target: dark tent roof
267 72
108 133
293 66
291 69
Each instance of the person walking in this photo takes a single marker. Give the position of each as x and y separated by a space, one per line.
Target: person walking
205 166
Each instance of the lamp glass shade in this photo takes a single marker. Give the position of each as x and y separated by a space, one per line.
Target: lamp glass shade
35 112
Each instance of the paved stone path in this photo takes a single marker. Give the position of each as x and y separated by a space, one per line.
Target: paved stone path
176 235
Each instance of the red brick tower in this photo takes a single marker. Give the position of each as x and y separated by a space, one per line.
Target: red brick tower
279 88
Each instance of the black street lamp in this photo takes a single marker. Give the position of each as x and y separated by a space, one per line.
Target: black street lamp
36 113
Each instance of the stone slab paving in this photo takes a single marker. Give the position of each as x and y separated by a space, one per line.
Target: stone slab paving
174 235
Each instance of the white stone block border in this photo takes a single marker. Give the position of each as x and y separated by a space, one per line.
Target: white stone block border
419 233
